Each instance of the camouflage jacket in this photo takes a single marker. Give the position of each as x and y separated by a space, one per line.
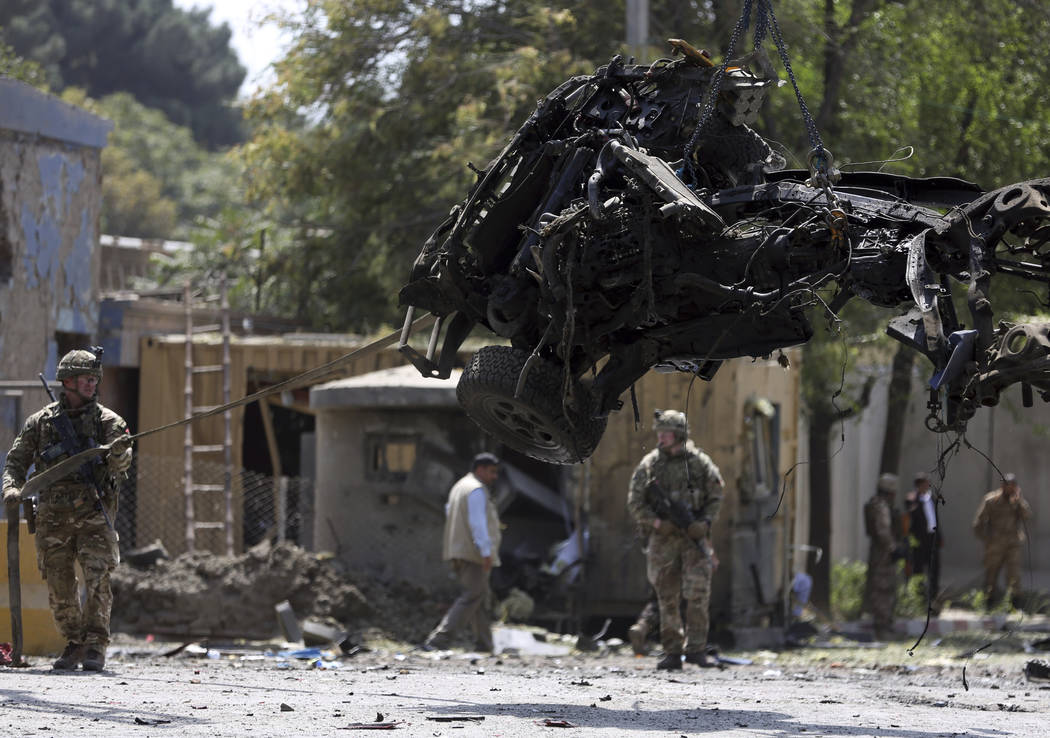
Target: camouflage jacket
878 522
39 444
1000 520
688 476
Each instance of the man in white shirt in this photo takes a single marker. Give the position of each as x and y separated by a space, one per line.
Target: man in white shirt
472 538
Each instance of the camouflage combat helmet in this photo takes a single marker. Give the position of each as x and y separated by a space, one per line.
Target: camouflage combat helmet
887 483
672 420
77 362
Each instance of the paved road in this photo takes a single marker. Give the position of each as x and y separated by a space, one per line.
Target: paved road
872 692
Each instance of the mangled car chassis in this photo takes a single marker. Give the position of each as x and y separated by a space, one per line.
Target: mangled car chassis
622 229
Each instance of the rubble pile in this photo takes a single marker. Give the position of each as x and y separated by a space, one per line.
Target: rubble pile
205 595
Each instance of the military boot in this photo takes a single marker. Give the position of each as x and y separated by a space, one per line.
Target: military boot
670 662
700 658
94 659
70 658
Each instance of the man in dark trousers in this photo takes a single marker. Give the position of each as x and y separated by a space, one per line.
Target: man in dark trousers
925 535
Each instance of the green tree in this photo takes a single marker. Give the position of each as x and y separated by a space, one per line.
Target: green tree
158 182
18 67
398 97
168 58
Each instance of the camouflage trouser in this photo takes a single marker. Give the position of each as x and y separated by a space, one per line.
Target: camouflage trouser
880 591
997 557
69 528
679 570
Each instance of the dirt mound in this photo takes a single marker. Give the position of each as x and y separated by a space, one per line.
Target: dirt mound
204 595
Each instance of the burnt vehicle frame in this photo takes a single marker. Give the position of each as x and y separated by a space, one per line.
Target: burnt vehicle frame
626 227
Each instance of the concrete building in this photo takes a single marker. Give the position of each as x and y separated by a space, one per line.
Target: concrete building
390 444
50 200
1009 435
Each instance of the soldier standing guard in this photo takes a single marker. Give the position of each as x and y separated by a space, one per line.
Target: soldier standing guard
674 498
880 590
71 522
1000 526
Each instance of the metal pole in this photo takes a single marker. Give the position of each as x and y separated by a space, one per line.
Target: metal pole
637 26
227 417
187 472
282 508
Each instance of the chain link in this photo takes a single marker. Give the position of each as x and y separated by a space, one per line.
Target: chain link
765 23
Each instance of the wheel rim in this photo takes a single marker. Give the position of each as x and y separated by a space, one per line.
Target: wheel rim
520 421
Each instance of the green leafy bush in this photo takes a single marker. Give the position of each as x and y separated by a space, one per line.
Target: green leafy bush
847 589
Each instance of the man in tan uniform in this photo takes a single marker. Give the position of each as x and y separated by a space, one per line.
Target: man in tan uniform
72 524
674 498
1000 526
880 587
472 538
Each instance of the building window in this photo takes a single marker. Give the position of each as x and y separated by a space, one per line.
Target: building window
390 457
763 424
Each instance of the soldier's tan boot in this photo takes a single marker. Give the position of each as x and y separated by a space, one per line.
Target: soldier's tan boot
94 659
70 658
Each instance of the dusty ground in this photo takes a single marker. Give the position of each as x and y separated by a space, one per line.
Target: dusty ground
808 692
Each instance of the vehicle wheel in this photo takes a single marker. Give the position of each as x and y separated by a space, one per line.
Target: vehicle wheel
534 423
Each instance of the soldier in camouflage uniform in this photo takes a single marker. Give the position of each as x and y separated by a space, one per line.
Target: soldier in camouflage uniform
678 475
1000 525
880 590
70 523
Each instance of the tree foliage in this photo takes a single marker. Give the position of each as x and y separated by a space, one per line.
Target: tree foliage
361 146
158 182
18 67
170 59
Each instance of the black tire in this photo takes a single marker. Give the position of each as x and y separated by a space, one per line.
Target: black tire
534 423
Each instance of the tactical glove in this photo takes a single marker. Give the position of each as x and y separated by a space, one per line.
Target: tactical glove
12 495
119 458
665 528
698 529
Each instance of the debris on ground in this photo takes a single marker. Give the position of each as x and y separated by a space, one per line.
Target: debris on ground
1037 670
555 723
456 718
146 556
203 595
525 642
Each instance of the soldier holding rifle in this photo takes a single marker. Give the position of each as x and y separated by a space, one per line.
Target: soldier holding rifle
674 498
74 519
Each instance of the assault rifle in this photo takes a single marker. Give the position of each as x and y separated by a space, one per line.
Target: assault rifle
68 440
674 511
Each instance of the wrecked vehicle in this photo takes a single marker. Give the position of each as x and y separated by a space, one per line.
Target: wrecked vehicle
636 221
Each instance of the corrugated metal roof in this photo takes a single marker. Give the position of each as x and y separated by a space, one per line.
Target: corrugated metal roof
401 386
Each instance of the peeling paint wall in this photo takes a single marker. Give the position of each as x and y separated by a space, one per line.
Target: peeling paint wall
50 199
